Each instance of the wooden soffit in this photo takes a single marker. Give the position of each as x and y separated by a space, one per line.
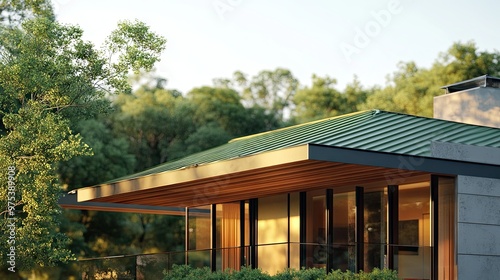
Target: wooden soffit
269 173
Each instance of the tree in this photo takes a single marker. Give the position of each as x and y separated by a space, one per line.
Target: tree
206 137
223 107
217 106
13 12
411 89
154 121
271 90
96 233
355 95
108 151
50 77
322 100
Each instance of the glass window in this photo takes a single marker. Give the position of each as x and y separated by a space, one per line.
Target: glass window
199 231
446 229
375 231
295 230
316 249
228 235
344 231
272 233
413 258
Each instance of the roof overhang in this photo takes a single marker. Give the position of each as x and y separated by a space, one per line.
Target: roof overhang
298 168
69 201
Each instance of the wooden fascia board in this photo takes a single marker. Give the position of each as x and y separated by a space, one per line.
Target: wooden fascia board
193 173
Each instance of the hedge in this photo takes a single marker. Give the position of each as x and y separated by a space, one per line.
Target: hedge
179 272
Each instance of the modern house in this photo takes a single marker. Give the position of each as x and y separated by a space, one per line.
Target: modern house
358 191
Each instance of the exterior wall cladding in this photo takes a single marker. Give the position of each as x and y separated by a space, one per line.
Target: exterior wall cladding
479 106
478 219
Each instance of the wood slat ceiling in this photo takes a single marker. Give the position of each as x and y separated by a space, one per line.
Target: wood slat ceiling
290 177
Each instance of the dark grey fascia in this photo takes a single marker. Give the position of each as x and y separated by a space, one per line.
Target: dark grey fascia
405 162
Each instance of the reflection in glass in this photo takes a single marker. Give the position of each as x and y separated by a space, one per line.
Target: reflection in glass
228 236
446 229
199 236
414 255
294 231
316 250
272 228
375 231
344 233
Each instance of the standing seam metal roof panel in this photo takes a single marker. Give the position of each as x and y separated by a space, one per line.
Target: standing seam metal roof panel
372 130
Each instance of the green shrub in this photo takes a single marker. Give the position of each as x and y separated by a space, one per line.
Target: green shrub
376 274
339 275
287 274
311 274
247 273
179 272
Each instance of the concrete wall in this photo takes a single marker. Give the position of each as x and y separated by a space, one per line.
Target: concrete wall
479 106
478 208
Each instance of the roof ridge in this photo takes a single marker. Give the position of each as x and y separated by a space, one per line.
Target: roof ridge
374 112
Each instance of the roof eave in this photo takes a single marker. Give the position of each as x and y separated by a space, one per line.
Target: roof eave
211 170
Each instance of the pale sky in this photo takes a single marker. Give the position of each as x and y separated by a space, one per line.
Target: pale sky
209 39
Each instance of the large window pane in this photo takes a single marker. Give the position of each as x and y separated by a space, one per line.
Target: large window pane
375 231
446 229
344 232
228 235
414 254
295 230
316 249
272 233
199 238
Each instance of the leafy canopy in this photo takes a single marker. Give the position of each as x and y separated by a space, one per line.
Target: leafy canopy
49 79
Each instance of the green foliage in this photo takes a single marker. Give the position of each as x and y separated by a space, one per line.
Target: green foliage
311 274
206 137
187 272
155 122
109 151
411 89
162 125
322 100
180 272
222 107
50 78
247 273
12 12
272 91
132 46
37 141
305 274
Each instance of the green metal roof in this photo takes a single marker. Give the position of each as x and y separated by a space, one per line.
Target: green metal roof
372 130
